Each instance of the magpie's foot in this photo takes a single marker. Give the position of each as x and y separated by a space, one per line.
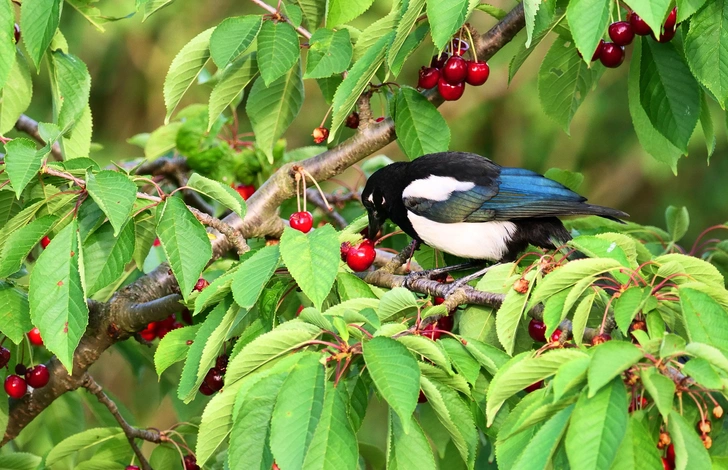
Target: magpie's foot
463 281
433 274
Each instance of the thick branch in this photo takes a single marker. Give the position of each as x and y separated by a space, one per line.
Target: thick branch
131 432
30 127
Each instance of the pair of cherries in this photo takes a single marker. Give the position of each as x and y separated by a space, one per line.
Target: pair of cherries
450 74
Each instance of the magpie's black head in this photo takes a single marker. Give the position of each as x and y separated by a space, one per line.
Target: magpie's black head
382 195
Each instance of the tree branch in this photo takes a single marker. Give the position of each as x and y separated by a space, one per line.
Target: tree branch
131 432
234 236
30 127
300 29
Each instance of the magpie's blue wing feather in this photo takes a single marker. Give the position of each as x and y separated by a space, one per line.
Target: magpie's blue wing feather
516 194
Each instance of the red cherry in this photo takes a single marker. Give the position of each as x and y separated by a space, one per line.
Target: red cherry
438 300
612 55
601 338
478 73
455 70
666 36
533 387
666 465
429 77
221 363
555 336
362 256
191 463
671 453
245 190
150 332
459 47
201 284
20 369
422 398
429 331
15 386
17 33
4 356
34 337
162 331
301 221
449 91
205 389
176 325
671 20
156 242
275 467
438 62
187 316
598 51
45 241
446 323
639 26
300 309
214 379
537 330
621 33
639 404
38 376
131 467
345 247
320 134
352 120
379 119
167 322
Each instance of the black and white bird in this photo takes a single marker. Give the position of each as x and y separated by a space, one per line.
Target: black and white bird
468 206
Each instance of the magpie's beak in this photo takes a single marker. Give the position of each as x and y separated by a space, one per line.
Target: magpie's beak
374 225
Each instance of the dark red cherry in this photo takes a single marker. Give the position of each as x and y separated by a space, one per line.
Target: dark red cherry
20 369
15 386
612 55
671 21
4 356
639 26
205 389
45 241
422 398
601 338
38 376
359 258
200 285
17 33
150 332
534 386
598 51
666 464
621 33
666 36
352 120
190 462
301 221
214 379
429 77
221 363
438 62
446 323
131 467
455 70
537 330
449 91
429 331
478 73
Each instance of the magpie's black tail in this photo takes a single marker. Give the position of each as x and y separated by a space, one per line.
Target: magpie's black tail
606 212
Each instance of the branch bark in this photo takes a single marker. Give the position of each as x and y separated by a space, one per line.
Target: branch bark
156 295
30 126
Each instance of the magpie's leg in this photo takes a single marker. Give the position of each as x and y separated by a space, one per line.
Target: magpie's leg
464 280
434 273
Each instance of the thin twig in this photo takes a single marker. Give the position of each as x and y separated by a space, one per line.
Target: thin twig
233 235
131 432
300 29
315 198
30 126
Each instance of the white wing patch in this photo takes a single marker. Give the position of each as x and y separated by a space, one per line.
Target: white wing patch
487 240
436 188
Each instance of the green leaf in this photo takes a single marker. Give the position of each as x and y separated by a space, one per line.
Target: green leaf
174 347
395 374
542 446
330 53
660 388
411 43
423 346
342 11
396 303
581 316
522 371
454 415
530 9
710 354
81 441
668 92
687 8
39 21
570 274
313 12
564 80
14 313
21 241
114 193
408 450
268 347
185 243
409 18
638 450
706 123
706 321
77 141
222 193
609 360
313 260
232 37
446 17
688 268
22 162
105 256
489 357
678 221
706 48
216 291
628 305
651 140
19 461
689 450
570 179
271 109
703 373
278 50
73 84
374 32
297 412
162 140
144 231
253 275
421 129
588 19
464 363
7 40
653 12
334 445
232 83
598 425
57 300
510 314
569 376
16 94
358 78
184 69
215 342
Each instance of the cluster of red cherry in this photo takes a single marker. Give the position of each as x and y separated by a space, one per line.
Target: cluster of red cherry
245 190
622 33
449 72
16 385
215 377
358 257
159 329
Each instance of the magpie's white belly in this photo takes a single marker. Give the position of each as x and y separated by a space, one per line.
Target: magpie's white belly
485 240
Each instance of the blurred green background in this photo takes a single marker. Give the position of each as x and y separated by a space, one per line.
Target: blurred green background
128 63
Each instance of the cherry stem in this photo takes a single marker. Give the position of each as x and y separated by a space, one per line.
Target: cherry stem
606 314
697 403
703 233
298 191
323 195
361 328
664 281
160 193
472 44
384 237
323 121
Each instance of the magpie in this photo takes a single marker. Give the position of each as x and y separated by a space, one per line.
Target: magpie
467 205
